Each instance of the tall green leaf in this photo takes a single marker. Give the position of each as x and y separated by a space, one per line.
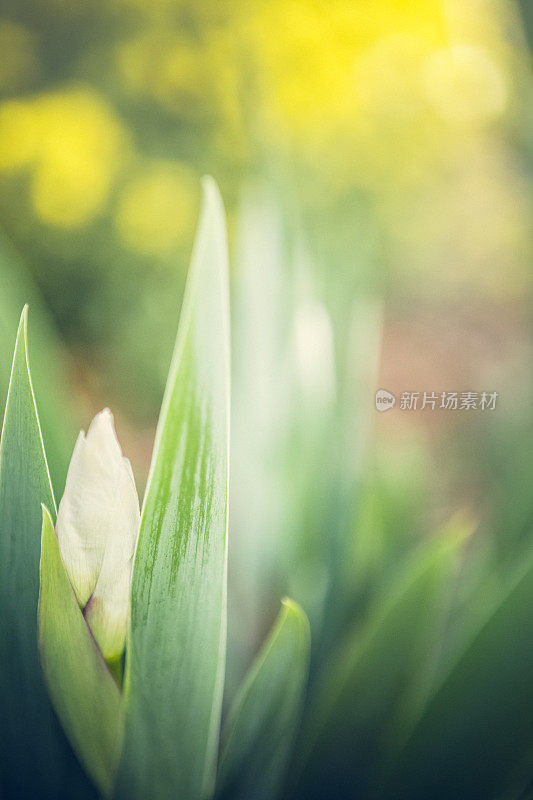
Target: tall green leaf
475 738
176 649
379 679
33 751
85 696
262 723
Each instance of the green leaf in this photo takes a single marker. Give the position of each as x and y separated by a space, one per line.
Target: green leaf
57 414
475 738
176 648
35 758
262 723
380 677
84 694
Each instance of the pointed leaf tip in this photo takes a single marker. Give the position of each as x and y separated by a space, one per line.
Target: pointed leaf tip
264 718
22 330
22 335
210 187
30 755
176 650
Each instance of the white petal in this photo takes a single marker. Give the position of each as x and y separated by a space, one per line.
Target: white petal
97 527
108 609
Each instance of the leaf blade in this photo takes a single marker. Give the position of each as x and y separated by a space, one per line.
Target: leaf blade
175 664
33 750
84 694
57 413
262 724
377 682
474 739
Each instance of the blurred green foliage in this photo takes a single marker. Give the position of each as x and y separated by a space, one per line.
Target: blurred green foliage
389 128
375 158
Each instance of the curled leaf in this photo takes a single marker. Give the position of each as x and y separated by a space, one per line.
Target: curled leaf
84 694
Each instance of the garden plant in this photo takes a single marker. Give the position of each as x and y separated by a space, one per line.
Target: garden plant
113 622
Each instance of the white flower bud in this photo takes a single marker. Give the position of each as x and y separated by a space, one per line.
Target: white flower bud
97 528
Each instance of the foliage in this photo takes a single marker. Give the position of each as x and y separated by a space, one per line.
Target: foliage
423 689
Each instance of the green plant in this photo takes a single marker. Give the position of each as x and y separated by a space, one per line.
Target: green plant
421 686
154 731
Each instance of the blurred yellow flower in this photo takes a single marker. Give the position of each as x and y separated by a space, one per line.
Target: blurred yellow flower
73 144
310 58
157 209
20 139
83 146
305 58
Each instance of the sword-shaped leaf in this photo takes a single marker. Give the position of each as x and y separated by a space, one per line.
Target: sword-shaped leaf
85 696
176 648
34 753
474 740
262 723
57 412
380 678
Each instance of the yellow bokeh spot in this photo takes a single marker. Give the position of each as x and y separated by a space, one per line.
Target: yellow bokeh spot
305 60
83 146
158 208
322 63
72 143
464 85
67 192
20 135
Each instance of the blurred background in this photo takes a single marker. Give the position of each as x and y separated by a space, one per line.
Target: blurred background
376 161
